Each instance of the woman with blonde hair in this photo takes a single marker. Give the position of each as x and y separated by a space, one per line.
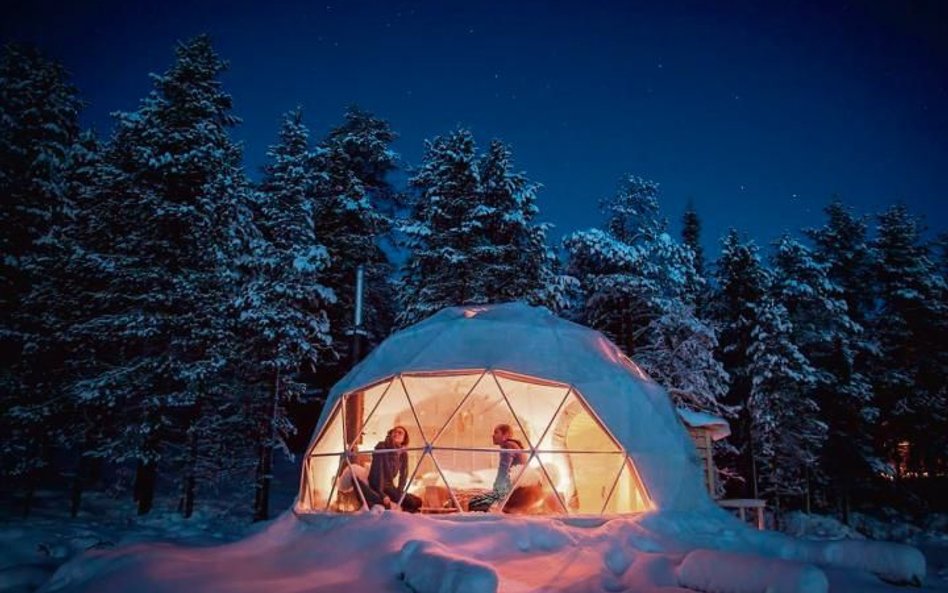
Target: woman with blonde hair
511 454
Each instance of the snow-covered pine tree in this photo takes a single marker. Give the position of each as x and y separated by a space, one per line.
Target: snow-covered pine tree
364 143
910 325
352 221
62 298
282 305
471 233
522 266
842 243
691 235
741 285
634 279
38 125
831 342
941 254
161 238
39 109
786 433
616 267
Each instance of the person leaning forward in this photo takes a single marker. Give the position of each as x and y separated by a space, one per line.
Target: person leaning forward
389 465
511 454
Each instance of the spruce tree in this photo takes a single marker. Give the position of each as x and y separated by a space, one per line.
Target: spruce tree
471 233
691 235
352 214
618 267
39 109
786 433
741 287
910 326
38 126
282 305
635 281
160 239
831 343
843 244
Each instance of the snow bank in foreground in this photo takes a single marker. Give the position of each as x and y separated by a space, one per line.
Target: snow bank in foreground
390 551
817 527
893 562
428 567
725 572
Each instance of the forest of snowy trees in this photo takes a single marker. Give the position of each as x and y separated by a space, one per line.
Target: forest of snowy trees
163 313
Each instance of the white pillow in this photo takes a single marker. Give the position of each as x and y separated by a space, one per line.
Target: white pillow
345 483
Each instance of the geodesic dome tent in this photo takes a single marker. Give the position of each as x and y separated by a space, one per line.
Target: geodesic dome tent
599 436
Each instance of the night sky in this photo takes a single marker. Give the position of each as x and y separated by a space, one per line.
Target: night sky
757 112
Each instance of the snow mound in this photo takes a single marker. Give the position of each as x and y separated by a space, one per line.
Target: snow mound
465 553
817 527
27 577
702 570
428 567
897 563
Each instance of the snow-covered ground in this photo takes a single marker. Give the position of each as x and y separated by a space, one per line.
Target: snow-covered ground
108 548
392 551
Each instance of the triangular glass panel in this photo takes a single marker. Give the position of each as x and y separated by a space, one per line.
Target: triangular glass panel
472 425
629 495
533 402
392 410
576 429
435 398
534 493
330 439
428 485
584 479
304 502
320 480
359 406
346 495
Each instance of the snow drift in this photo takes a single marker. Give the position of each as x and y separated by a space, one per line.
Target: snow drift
387 551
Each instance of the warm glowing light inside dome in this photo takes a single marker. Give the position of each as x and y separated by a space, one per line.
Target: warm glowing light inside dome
573 464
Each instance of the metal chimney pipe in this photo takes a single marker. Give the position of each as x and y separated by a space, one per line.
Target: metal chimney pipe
355 408
360 275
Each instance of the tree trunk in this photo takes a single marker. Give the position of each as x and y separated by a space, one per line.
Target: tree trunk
34 476
261 511
84 471
146 475
806 493
846 502
75 493
187 505
30 492
776 504
752 460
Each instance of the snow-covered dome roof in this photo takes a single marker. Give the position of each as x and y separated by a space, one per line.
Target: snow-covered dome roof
532 341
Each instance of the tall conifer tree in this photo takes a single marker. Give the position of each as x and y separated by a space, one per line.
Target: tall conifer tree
635 281
353 219
38 127
472 236
741 287
161 240
283 303
911 326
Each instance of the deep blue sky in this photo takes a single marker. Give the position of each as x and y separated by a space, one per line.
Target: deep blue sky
758 112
